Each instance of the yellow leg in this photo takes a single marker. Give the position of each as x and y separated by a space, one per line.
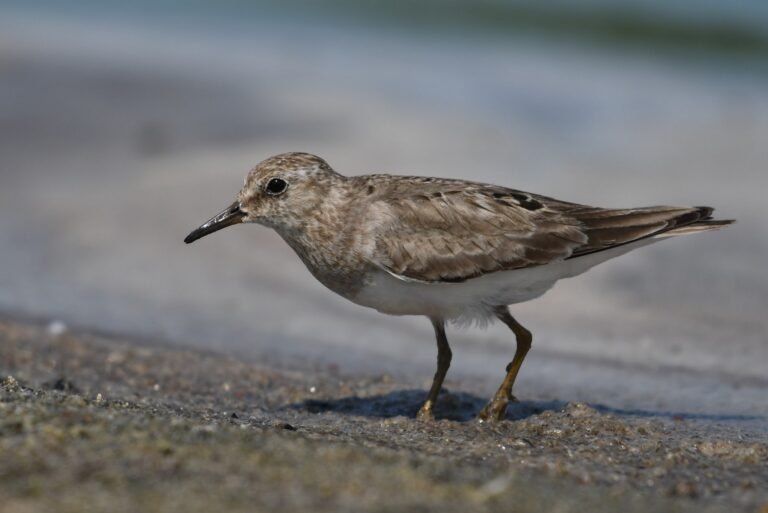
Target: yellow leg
443 362
497 407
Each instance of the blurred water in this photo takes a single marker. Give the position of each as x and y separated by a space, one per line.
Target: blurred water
749 13
116 139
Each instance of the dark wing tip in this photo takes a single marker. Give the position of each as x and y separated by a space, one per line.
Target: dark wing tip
706 217
704 212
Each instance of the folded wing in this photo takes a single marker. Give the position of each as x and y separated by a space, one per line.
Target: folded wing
446 231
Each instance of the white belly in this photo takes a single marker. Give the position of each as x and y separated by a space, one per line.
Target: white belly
474 300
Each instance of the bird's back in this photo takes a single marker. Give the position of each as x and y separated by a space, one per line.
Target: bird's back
446 231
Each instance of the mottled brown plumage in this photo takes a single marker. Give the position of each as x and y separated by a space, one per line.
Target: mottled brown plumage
452 230
447 249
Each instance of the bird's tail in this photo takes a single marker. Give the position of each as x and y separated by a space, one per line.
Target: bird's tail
705 223
608 228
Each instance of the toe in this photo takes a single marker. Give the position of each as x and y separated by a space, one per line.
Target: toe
425 416
494 411
425 413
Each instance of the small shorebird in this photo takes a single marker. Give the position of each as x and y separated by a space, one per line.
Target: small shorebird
451 250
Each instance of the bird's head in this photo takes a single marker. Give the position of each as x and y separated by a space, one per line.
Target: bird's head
279 192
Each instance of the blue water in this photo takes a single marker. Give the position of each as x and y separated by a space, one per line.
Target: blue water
751 16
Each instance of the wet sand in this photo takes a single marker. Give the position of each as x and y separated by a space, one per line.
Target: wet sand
105 423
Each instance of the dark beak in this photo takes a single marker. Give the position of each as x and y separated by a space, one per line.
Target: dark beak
227 217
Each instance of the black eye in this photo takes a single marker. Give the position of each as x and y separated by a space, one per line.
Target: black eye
276 186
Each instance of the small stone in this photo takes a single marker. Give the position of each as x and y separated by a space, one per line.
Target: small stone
11 384
522 442
279 424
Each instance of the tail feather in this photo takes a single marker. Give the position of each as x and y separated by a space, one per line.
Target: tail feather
700 226
609 228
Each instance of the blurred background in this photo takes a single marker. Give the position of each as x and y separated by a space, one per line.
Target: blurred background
124 125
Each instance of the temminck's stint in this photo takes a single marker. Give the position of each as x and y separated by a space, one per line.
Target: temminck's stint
451 250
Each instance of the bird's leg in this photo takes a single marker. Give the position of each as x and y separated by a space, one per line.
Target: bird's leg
497 407
443 362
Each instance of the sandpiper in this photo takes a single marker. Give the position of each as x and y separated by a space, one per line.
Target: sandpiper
451 250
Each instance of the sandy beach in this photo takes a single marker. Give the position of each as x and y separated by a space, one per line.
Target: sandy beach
124 425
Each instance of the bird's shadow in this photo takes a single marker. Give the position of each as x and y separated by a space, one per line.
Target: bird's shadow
463 407
460 406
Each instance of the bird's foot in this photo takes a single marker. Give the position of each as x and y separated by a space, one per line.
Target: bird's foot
425 412
496 409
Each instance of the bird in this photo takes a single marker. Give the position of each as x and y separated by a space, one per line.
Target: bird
451 250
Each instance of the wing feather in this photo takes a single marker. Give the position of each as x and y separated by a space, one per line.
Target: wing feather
451 236
435 230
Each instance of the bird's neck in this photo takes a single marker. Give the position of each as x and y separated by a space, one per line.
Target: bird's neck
324 240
